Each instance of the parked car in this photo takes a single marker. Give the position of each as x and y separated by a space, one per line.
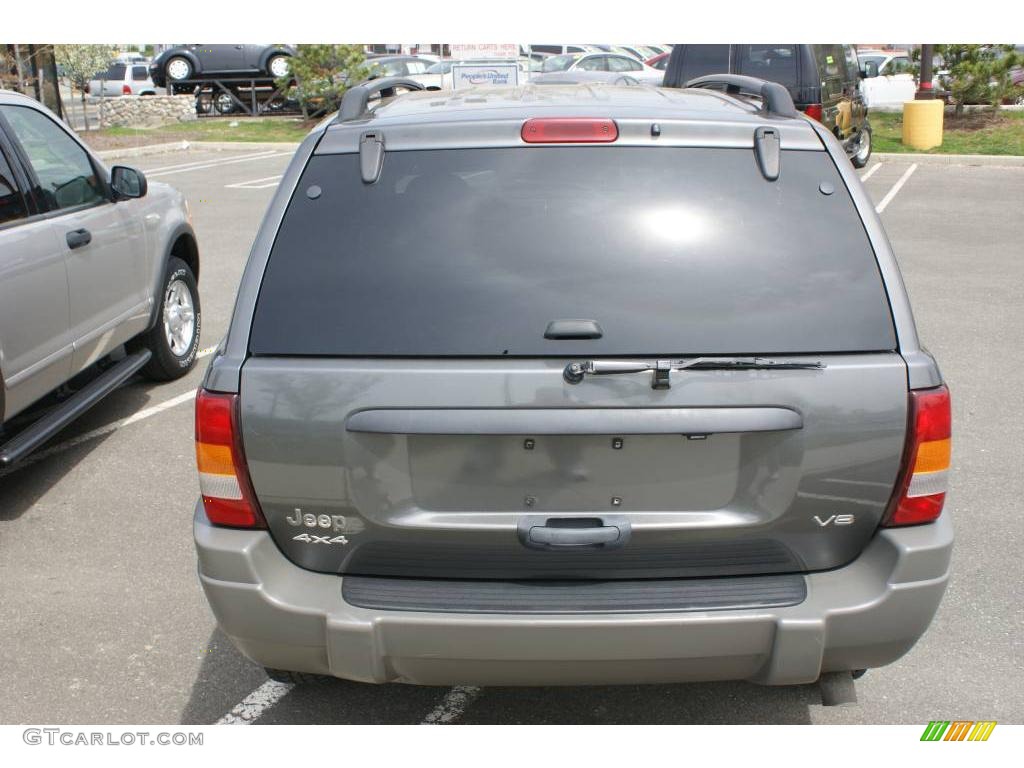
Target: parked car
430 58
638 52
659 62
580 76
98 272
194 61
577 77
397 66
628 392
557 50
602 62
122 79
888 78
132 57
623 50
823 81
438 76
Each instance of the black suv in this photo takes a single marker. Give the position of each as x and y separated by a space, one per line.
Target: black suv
822 79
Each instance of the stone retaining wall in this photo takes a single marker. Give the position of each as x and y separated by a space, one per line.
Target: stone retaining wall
146 111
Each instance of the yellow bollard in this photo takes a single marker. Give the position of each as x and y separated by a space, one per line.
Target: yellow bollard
922 123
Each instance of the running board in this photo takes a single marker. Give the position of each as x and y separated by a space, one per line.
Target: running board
54 421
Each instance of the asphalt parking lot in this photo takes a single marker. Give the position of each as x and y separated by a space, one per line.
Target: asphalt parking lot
102 619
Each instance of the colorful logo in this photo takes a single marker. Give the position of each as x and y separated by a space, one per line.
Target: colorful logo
958 730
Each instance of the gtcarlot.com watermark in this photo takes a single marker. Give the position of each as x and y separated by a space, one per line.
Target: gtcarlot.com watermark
80 738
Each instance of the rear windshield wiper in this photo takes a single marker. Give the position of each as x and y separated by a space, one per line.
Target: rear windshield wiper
575 372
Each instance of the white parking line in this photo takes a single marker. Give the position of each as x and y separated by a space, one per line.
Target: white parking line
453 705
895 188
269 181
85 437
256 703
871 172
252 707
254 155
218 164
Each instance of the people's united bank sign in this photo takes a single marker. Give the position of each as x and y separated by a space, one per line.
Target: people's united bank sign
497 73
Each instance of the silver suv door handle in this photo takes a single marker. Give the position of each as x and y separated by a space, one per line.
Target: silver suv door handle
78 237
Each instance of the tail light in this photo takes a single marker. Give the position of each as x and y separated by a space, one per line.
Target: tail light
813 110
569 130
224 482
126 90
921 488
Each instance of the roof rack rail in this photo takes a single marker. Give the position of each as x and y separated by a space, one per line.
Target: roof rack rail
355 102
775 98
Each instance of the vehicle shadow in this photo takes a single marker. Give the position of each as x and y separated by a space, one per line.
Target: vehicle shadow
681 704
25 483
225 678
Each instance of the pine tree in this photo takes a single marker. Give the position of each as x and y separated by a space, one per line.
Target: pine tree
980 74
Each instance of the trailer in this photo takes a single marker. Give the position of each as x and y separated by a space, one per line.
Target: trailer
252 96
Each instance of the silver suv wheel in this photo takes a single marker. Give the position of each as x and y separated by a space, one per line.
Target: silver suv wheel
179 318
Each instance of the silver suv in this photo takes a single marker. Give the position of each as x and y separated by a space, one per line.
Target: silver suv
123 79
98 270
573 384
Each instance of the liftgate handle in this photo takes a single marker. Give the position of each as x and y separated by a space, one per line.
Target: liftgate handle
543 532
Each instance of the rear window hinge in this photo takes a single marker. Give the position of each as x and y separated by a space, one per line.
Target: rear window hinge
371 155
767 148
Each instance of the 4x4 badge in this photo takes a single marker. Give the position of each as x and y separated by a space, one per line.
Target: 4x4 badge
314 539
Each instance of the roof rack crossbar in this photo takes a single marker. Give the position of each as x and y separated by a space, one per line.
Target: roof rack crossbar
775 98
355 102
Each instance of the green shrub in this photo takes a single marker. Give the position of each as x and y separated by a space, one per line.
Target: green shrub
979 74
322 74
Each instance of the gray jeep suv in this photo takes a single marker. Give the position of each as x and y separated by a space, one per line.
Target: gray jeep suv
572 384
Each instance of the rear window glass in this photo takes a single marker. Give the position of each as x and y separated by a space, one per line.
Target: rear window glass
114 72
700 60
772 61
673 251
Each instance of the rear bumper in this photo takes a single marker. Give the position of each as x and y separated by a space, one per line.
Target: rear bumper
866 614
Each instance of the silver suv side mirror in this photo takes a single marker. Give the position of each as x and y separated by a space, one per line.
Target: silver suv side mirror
870 70
128 183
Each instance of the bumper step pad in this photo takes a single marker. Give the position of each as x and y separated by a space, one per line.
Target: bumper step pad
552 597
